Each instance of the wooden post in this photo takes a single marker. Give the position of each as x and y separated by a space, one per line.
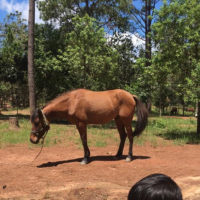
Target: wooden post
13 123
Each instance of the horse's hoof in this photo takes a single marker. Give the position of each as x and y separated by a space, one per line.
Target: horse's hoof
128 159
84 162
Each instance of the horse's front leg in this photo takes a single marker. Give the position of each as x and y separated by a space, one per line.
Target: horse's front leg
82 128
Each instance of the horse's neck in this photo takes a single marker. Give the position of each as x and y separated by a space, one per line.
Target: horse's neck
56 111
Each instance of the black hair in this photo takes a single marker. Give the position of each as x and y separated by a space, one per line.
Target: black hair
155 187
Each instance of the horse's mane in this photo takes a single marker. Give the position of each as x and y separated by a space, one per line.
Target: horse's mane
35 114
58 97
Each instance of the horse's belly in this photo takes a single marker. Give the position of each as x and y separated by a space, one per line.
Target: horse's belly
101 118
97 111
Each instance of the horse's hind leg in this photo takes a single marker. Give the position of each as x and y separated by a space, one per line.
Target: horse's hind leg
82 128
122 133
130 137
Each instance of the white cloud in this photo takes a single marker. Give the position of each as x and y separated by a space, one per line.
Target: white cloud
23 7
137 42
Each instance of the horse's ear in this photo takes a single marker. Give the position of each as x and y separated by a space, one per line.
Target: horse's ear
35 114
39 112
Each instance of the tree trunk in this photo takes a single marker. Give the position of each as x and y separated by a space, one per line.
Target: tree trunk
13 123
31 80
160 104
198 119
149 101
183 108
148 46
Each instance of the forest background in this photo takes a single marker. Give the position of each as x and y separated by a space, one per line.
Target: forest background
88 44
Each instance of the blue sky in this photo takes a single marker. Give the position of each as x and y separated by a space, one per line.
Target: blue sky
10 6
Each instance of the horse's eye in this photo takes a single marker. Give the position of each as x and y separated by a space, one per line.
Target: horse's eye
36 123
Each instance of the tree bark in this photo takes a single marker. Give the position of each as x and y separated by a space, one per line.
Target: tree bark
148 46
160 103
31 79
198 119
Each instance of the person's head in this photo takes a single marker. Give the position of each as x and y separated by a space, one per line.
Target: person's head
155 187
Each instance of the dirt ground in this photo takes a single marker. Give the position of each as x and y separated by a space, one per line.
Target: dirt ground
57 173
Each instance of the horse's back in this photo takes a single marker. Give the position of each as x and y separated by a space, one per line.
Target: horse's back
115 97
102 107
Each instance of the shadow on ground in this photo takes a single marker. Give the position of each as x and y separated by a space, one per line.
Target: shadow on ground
20 116
177 135
92 159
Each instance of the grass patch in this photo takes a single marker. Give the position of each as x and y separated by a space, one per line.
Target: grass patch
183 137
161 131
180 131
9 137
100 143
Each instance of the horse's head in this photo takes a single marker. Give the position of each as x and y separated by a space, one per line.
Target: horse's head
39 126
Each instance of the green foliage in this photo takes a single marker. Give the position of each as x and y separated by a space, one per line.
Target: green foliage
87 56
142 81
13 37
77 54
123 44
112 14
4 92
51 76
13 58
177 35
176 60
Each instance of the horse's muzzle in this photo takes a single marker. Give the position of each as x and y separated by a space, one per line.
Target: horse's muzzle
34 141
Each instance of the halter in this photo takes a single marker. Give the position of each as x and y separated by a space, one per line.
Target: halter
37 134
46 125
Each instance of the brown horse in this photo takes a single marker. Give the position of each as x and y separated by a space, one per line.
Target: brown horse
82 107
173 110
190 110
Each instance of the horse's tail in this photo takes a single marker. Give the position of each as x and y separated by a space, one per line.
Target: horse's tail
142 117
